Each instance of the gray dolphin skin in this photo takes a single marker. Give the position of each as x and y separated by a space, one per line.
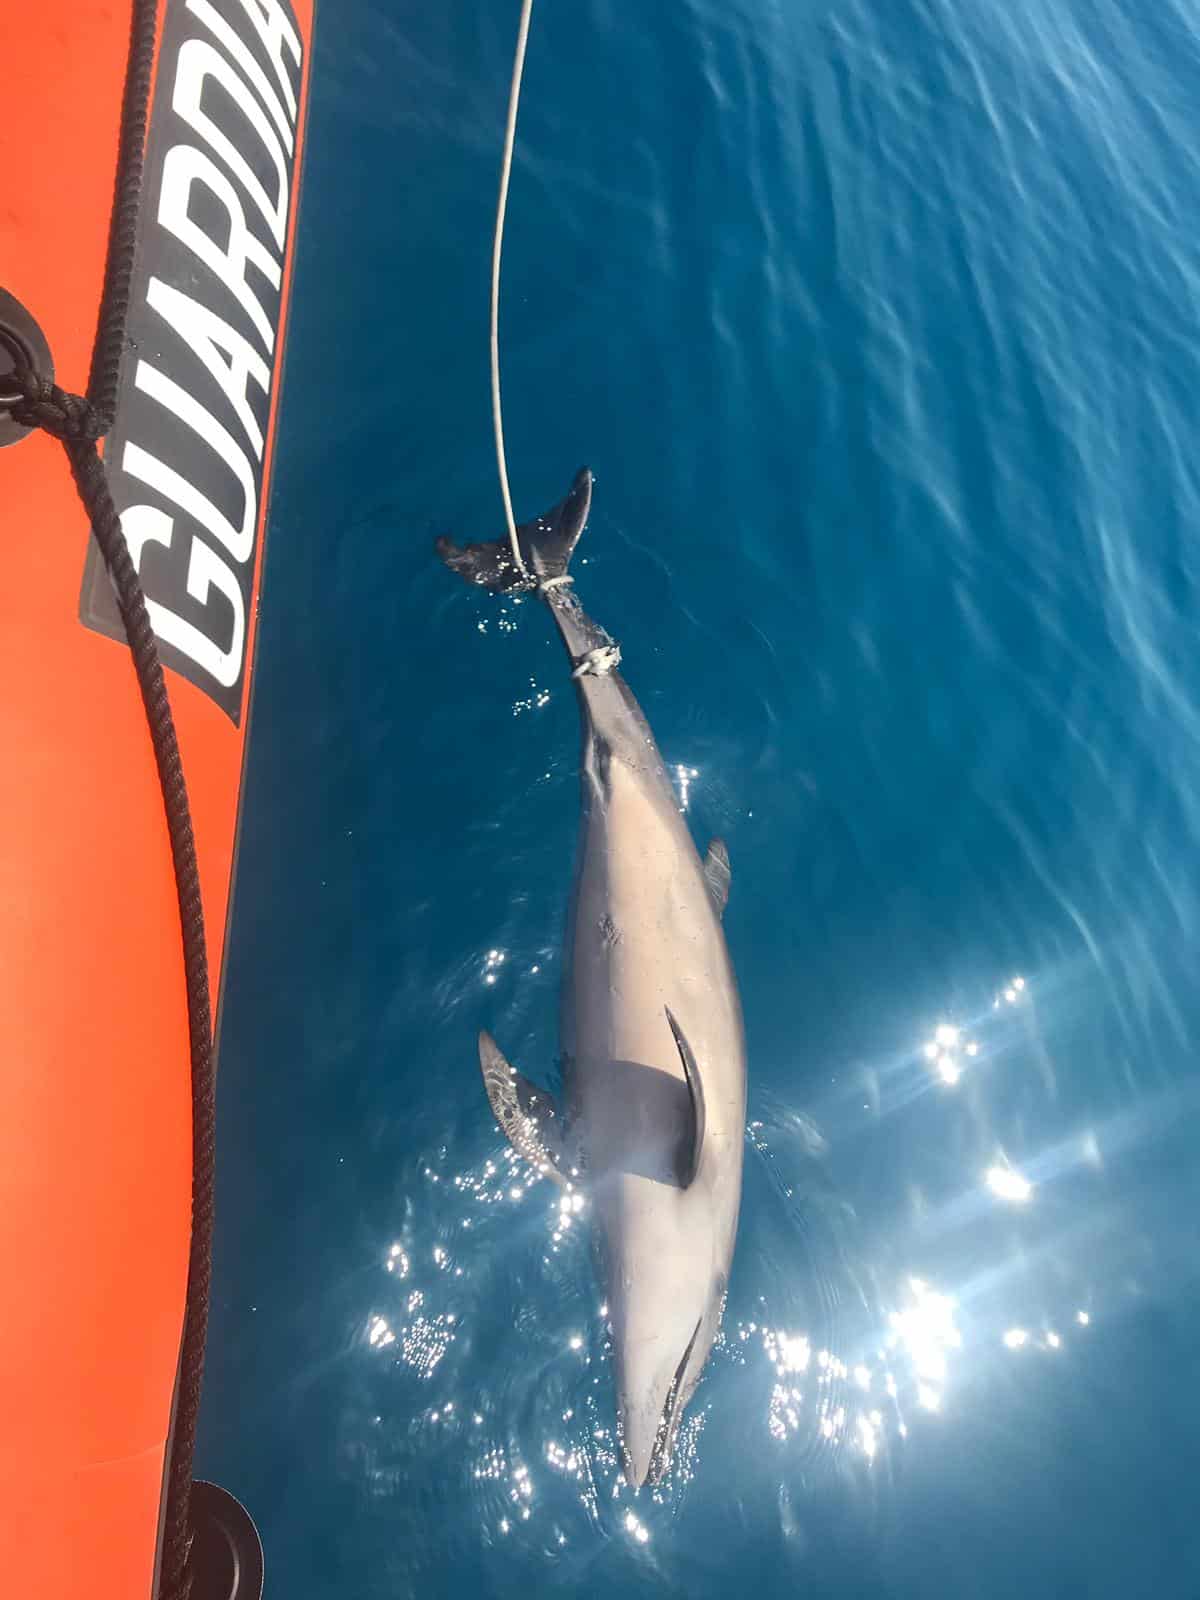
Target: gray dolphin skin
654 1059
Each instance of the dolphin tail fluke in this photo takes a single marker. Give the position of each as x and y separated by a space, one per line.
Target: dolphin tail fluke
546 545
527 1115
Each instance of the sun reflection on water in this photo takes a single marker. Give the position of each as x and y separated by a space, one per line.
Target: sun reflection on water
1008 1184
925 1330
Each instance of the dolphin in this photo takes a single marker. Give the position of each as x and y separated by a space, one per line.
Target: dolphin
653 1049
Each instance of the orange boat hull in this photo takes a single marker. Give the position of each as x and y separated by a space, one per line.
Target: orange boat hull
95 1097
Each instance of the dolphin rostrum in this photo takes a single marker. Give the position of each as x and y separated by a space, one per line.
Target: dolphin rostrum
654 1059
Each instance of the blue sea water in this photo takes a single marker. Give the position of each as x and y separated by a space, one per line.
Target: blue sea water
878 324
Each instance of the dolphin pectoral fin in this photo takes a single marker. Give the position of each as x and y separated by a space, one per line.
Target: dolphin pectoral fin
693 1145
528 1115
717 874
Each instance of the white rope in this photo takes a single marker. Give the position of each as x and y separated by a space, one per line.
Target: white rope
497 245
598 663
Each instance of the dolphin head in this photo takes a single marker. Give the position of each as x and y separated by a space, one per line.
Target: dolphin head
666 1296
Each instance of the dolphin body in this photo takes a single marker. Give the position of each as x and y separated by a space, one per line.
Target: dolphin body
653 1051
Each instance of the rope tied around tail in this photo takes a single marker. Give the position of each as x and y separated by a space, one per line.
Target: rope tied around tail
598 663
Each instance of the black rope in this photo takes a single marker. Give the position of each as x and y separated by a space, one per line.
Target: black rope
92 481
34 401
122 232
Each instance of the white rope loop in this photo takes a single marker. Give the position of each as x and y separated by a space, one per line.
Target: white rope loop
598 663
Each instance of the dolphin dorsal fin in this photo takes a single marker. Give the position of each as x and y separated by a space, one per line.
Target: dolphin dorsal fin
528 1115
693 1147
717 874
